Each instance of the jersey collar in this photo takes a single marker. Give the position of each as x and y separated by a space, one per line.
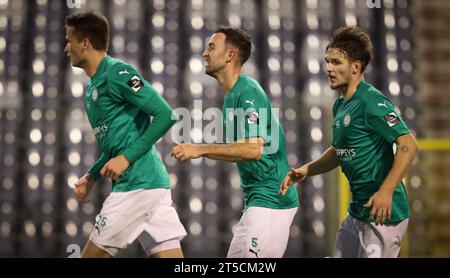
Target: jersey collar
101 66
236 85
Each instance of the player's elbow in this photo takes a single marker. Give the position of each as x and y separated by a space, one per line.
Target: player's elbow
414 146
169 118
256 150
255 155
408 142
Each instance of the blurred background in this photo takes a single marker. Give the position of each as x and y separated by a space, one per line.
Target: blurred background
46 142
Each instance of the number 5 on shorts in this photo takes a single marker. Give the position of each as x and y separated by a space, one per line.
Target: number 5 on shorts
254 241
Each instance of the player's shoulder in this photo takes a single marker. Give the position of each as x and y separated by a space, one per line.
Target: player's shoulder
251 87
370 94
118 69
249 82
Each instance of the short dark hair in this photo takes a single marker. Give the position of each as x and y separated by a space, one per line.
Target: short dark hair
91 25
239 39
354 42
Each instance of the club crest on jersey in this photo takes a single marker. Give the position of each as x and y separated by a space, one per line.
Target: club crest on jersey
95 95
347 120
135 83
391 119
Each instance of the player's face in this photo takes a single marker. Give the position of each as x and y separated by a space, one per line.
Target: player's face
74 49
338 68
215 54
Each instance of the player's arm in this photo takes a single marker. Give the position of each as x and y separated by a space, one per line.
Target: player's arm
385 121
162 121
249 142
241 150
381 202
84 185
94 170
406 150
132 88
325 163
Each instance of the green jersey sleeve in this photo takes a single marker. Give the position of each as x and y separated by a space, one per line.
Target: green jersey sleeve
381 117
132 88
94 170
161 123
126 84
256 114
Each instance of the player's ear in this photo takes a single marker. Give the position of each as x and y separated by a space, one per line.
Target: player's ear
231 54
356 67
85 43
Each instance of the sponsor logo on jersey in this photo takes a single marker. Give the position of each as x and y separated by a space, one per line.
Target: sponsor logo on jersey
95 95
135 83
347 120
100 131
346 154
391 119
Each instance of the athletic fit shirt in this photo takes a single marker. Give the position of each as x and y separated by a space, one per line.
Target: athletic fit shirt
364 130
247 114
113 102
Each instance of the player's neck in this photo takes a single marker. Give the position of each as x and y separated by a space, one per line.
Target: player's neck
93 62
348 91
228 78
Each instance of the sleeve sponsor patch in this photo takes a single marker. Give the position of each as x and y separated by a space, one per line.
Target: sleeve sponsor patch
252 117
391 119
135 83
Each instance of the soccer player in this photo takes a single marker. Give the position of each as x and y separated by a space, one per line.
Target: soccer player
364 129
263 230
119 103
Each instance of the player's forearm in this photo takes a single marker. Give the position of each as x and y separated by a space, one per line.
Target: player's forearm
225 158
406 150
161 123
326 162
234 152
94 170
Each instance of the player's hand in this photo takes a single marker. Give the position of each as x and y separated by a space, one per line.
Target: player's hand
381 203
293 176
115 167
82 188
184 152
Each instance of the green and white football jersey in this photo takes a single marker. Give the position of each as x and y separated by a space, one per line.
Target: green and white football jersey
247 113
113 102
364 130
